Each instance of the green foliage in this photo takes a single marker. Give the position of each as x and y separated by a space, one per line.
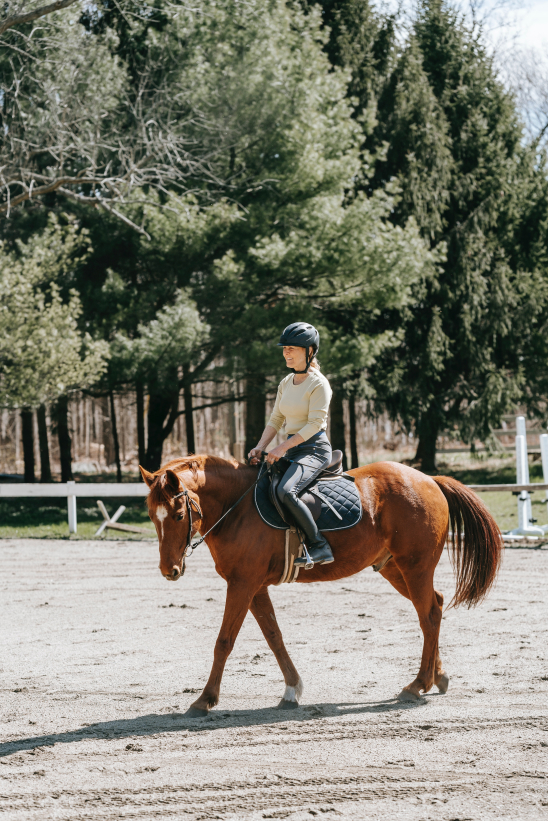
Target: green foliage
454 145
169 339
269 162
43 353
293 242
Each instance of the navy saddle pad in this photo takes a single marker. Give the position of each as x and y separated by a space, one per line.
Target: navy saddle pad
341 492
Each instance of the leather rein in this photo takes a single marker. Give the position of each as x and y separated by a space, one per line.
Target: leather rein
189 502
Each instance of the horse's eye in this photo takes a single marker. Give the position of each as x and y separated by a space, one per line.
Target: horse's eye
180 517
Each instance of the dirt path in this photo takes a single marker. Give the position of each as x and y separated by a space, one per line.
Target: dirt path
101 656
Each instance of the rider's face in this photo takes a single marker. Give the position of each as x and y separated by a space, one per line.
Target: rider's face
295 357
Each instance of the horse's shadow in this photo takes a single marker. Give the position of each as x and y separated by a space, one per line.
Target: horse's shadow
146 725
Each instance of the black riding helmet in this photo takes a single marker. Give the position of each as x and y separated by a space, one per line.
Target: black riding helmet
301 335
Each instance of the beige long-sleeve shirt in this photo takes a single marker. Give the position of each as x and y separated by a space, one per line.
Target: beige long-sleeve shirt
303 408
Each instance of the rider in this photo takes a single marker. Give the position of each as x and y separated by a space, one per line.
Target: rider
302 404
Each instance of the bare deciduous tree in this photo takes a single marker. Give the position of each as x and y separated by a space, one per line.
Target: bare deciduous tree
77 120
17 16
527 75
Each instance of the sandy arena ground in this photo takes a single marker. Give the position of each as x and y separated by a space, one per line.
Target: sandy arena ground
101 657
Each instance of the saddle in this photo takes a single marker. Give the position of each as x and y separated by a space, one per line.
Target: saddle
311 500
332 497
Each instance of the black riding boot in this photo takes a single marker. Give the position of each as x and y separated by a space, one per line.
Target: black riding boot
318 547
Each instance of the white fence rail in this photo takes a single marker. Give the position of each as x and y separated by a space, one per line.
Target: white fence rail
90 490
71 491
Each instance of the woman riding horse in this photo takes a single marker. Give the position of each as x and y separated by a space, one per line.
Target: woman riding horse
302 404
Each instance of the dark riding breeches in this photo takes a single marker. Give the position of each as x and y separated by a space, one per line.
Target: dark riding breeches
307 461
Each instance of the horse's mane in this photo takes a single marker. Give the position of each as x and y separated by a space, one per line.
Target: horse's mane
197 462
160 493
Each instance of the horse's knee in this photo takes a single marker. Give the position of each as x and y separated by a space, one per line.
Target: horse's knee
223 646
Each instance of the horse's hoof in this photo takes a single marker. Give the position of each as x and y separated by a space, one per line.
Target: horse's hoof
195 712
407 695
288 705
443 683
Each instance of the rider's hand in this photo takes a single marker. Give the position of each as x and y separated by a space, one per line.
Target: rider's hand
276 453
254 456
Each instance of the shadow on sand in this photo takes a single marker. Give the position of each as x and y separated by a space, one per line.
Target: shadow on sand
152 724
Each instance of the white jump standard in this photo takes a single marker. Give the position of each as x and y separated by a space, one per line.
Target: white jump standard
526 524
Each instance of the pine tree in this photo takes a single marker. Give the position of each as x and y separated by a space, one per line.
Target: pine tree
454 145
287 246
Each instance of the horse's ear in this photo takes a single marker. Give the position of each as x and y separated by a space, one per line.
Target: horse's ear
172 480
148 478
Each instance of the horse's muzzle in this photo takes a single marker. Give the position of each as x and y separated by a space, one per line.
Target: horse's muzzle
175 574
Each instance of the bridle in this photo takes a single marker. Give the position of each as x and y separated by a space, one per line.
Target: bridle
190 501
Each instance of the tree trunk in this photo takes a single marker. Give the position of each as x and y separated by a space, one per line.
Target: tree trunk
159 407
27 424
60 413
255 411
353 433
189 419
427 429
108 440
338 439
115 437
45 464
139 390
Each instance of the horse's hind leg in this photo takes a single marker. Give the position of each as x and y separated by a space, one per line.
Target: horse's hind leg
392 573
262 609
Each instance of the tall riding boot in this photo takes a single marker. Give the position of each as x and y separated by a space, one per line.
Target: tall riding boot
318 547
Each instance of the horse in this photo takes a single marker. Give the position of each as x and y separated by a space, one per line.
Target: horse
405 512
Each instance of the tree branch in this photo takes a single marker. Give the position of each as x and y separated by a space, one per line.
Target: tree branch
43 189
200 368
19 19
540 135
107 207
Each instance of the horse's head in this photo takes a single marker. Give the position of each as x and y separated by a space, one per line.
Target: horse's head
168 509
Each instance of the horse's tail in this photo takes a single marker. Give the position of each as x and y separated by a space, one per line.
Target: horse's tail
476 544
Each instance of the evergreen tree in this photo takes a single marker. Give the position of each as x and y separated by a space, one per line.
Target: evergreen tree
291 246
452 141
44 354
275 230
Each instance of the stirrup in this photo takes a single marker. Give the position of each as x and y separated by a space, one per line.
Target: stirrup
309 564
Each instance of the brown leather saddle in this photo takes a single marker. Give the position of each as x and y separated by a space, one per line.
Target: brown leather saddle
312 497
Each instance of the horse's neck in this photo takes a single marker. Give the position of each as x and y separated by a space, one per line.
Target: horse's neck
220 487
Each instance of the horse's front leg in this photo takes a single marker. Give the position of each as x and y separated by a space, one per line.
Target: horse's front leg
238 599
262 609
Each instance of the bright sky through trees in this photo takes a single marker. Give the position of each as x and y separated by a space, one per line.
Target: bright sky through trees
525 21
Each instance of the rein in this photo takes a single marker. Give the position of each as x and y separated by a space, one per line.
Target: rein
190 502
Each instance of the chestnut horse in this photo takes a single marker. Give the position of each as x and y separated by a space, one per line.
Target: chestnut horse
404 511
